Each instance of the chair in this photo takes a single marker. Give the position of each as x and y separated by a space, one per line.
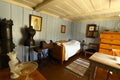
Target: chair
92 48
41 49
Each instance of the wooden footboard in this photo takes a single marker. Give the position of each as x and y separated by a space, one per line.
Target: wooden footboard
58 52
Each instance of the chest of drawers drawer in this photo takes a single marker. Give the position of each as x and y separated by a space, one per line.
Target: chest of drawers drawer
110 36
109 41
106 51
109 46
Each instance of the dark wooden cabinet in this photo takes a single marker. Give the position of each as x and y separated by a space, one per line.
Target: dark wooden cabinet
6 43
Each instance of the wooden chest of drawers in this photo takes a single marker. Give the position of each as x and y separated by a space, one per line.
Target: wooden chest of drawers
109 41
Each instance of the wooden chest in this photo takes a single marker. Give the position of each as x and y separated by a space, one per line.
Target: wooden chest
109 41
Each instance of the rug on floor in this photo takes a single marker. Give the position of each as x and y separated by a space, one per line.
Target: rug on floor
79 66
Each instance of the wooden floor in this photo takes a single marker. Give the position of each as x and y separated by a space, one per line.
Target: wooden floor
53 70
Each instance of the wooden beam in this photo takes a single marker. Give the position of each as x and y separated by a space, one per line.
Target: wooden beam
39 6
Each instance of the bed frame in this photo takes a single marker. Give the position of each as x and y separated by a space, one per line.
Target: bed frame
58 52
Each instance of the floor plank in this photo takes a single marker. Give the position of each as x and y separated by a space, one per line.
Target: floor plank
56 71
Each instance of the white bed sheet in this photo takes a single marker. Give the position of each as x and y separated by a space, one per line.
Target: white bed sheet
71 48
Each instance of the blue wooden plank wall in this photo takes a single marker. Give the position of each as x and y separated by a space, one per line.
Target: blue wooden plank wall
51 28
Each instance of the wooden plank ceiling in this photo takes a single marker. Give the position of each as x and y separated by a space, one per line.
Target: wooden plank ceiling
74 10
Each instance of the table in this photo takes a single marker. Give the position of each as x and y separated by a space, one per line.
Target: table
39 51
105 61
5 75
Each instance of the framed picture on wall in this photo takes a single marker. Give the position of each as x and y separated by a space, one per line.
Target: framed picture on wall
36 22
63 28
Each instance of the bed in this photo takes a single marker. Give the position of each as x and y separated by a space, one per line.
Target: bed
63 50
